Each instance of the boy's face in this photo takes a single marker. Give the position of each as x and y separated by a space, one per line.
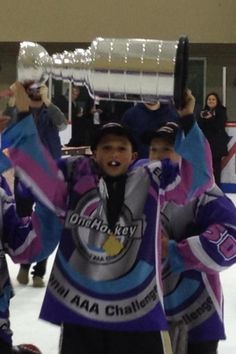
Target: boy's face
114 154
161 149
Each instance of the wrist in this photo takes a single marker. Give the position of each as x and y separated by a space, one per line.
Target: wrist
47 102
185 112
23 109
22 114
186 122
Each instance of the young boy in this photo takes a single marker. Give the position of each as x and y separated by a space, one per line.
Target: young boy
203 242
105 286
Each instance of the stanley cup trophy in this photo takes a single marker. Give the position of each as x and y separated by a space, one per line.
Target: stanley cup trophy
114 69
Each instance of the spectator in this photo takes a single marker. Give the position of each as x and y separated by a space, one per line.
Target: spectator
147 116
81 118
114 110
212 121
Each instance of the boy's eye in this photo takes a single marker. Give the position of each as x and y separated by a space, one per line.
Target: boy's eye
154 149
157 149
161 149
106 147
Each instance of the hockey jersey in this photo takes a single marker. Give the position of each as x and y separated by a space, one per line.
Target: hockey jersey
203 235
104 278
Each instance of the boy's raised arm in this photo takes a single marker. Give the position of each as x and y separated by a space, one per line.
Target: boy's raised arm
193 147
195 174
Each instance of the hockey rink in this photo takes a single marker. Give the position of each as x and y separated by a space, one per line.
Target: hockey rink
28 328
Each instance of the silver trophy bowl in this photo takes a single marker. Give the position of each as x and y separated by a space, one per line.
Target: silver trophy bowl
33 64
140 70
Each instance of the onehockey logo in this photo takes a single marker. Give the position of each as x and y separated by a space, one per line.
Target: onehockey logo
91 232
96 224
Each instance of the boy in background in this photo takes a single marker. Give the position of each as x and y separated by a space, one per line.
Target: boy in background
202 243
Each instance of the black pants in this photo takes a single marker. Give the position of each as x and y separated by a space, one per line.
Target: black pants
76 339
24 207
5 348
217 170
39 269
24 204
209 347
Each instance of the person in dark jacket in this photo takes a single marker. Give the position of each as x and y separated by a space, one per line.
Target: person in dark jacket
81 117
147 116
212 121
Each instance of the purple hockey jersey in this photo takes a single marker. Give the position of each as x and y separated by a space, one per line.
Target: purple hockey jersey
204 243
122 289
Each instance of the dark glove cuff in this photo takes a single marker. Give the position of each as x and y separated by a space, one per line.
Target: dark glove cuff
22 115
186 122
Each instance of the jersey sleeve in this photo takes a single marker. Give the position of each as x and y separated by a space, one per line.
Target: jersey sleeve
27 240
33 164
196 170
213 249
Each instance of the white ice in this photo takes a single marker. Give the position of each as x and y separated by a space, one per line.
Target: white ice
28 328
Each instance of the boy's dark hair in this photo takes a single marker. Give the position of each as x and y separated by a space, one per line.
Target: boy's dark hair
116 129
167 131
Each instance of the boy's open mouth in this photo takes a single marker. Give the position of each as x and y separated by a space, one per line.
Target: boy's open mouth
113 163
